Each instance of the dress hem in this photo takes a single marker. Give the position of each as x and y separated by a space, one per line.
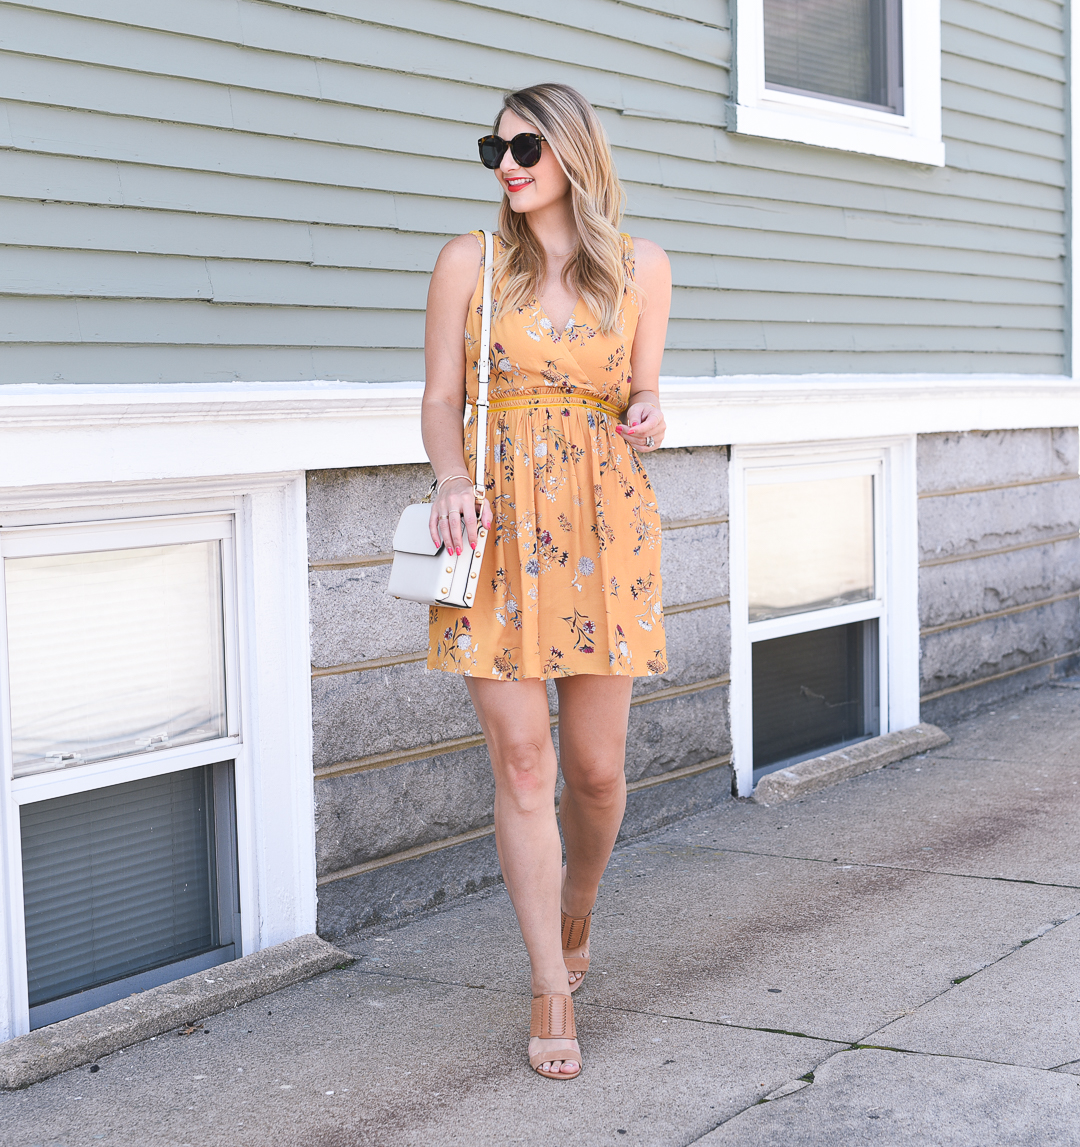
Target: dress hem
535 677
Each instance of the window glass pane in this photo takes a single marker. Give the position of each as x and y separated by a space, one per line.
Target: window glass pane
117 880
829 47
810 545
114 653
814 692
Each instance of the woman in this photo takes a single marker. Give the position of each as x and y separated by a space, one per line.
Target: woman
570 586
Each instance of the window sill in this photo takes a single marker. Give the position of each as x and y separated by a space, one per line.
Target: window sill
841 127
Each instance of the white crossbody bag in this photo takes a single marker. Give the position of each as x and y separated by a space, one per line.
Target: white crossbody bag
425 572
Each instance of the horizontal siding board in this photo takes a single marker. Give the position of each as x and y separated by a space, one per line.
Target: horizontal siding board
702 334
281 285
811 195
635 22
703 11
996 80
809 278
76 362
869 239
74 225
854 252
1023 142
984 159
141 51
748 164
150 321
963 41
792 307
873 361
30 271
200 17
1002 107
1050 13
1008 26
92 274
942 234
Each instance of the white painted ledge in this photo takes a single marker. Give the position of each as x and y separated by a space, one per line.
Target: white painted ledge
760 409
60 434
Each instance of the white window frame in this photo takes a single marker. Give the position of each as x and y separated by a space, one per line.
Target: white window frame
914 136
268 709
892 461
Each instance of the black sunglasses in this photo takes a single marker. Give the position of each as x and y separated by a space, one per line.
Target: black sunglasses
525 148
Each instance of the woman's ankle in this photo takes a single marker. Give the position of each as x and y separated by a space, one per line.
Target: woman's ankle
575 903
555 983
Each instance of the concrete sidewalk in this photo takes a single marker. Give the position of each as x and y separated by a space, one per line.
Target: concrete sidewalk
893 960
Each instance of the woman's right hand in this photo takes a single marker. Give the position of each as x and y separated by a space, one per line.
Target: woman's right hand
454 521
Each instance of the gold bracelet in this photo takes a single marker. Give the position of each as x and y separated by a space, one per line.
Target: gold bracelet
450 478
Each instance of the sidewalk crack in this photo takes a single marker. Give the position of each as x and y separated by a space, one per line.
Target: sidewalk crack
888 867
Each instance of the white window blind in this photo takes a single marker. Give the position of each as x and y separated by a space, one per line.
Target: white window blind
113 653
117 880
842 49
810 545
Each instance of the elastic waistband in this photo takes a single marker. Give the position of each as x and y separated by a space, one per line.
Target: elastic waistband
552 401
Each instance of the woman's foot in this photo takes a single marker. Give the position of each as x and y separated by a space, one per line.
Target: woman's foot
553 1047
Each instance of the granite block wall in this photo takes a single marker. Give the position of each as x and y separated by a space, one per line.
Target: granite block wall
999 556
403 787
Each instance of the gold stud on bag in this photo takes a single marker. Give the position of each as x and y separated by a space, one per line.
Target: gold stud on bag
426 572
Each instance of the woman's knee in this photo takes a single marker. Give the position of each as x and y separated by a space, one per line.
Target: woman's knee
525 770
596 782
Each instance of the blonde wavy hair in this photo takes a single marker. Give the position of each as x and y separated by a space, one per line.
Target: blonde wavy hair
595 271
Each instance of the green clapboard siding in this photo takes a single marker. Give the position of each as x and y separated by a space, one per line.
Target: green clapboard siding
194 190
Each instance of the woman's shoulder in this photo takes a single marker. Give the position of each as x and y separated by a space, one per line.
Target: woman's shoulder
651 263
463 251
647 254
459 262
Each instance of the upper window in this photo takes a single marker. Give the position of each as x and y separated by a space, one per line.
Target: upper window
853 75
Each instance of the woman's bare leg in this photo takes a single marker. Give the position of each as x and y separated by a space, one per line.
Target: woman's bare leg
514 717
593 715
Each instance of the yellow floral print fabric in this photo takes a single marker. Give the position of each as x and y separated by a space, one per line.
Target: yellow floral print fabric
571 575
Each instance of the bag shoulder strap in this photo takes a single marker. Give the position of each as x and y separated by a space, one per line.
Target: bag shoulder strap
484 365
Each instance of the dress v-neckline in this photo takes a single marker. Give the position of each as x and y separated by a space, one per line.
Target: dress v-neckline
569 320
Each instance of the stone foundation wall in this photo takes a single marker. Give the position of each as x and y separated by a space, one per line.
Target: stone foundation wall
999 558
403 787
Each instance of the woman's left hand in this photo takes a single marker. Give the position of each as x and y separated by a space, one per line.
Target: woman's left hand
645 426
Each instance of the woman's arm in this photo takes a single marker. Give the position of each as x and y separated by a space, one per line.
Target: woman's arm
452 285
644 418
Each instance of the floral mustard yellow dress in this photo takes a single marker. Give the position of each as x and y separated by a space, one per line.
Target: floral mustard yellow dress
571 575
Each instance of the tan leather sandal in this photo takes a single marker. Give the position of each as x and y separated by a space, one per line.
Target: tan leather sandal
553 1021
575 935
